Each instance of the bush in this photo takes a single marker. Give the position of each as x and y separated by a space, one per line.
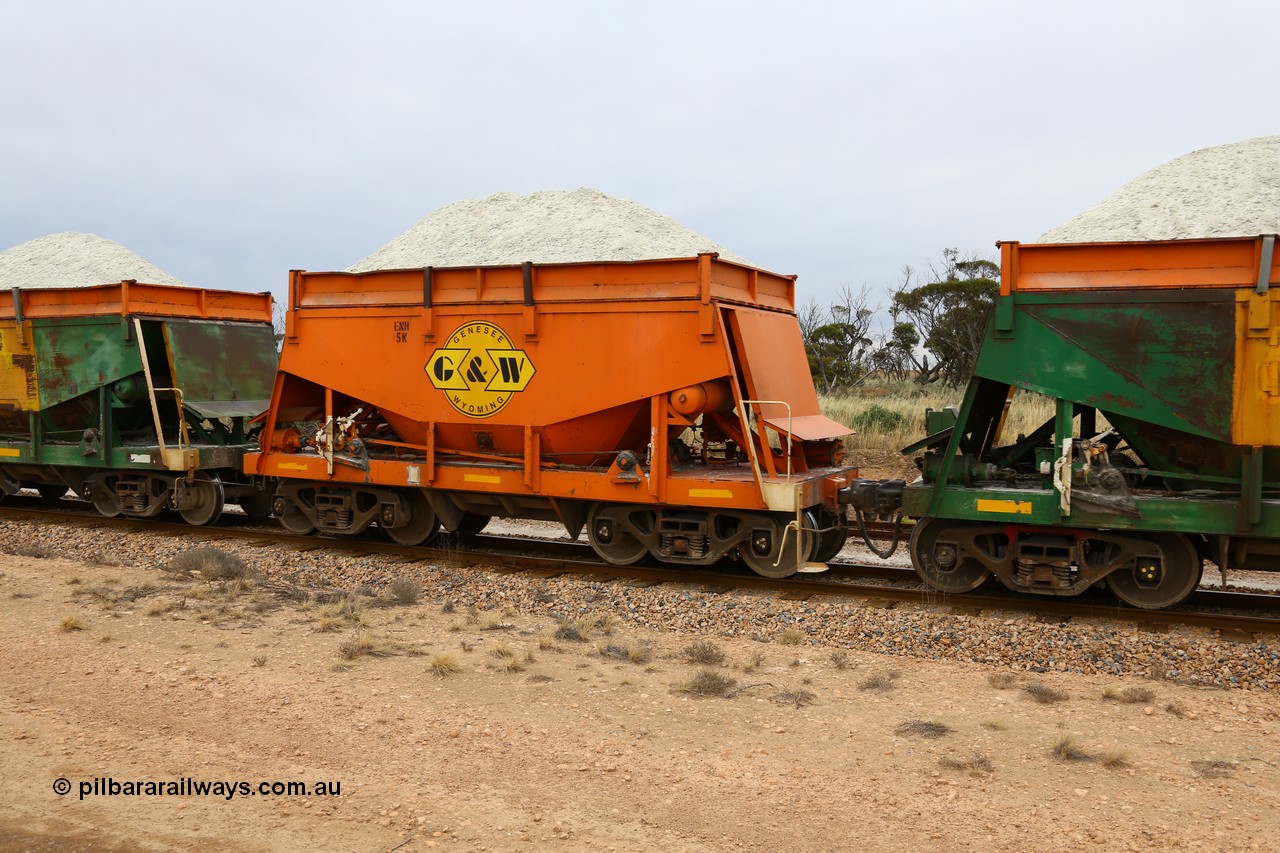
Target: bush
708 682
209 563
704 652
877 418
404 591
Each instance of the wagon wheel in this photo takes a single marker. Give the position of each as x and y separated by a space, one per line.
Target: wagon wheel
104 497
1154 582
204 500
292 517
829 541
775 550
51 491
423 524
613 542
938 556
257 505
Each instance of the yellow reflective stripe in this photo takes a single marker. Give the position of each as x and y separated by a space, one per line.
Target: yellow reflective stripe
1005 507
481 478
710 493
10 451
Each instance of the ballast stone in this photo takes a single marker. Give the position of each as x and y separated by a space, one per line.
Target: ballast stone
72 259
1226 191
544 227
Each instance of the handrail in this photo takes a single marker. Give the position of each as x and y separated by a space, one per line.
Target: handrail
751 445
184 440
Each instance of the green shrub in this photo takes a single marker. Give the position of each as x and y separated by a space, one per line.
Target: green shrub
877 418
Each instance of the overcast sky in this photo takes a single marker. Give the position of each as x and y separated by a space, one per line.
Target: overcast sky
229 142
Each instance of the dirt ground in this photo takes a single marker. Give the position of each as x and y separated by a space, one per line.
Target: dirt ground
118 673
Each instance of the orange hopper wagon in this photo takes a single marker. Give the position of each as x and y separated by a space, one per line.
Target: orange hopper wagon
665 405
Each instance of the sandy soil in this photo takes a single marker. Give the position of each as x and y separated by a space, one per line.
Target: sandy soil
571 749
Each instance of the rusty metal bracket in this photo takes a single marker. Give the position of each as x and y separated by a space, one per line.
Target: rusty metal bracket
1264 263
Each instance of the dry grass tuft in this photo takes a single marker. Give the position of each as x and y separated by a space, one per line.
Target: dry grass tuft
496 622
583 628
923 728
1129 695
633 652
259 660
346 610
1176 708
703 652
159 608
508 659
1002 680
752 663
212 564
1213 768
840 660
1067 748
443 664
708 682
404 591
881 681
975 765
71 623
1114 759
363 644
792 636
797 698
1044 694
995 725
37 551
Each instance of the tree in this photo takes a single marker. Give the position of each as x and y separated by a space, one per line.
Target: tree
838 339
949 315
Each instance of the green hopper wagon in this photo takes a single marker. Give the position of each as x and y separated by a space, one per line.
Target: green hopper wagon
135 396
1163 363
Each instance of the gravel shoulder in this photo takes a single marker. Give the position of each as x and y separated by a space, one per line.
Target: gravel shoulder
537 740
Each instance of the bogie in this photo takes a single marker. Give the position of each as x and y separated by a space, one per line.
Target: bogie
1145 570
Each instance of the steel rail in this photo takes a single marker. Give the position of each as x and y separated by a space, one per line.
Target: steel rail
563 557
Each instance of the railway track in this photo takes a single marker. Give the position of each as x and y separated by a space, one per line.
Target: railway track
1238 615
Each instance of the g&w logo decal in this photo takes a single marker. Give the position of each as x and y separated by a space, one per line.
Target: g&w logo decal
479 370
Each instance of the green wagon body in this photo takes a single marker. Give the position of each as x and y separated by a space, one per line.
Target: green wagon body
1163 360
135 396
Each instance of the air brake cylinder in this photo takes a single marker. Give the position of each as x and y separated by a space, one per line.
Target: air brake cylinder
705 397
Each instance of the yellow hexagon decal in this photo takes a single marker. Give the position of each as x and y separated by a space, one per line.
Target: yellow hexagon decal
479 370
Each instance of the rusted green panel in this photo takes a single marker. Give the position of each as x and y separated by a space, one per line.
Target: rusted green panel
1166 361
224 369
77 355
